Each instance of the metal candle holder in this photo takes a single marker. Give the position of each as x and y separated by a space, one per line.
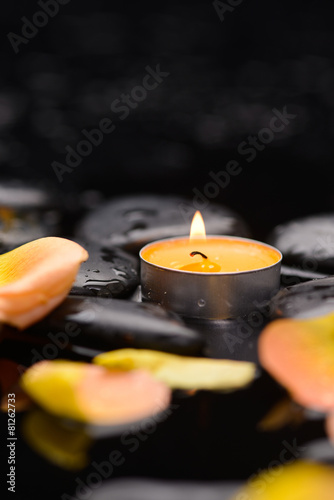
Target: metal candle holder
218 295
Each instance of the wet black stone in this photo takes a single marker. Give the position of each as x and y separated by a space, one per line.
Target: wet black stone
134 221
152 489
310 299
27 213
109 273
292 275
307 243
103 325
18 195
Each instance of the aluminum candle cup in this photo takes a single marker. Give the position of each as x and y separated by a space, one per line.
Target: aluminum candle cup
231 276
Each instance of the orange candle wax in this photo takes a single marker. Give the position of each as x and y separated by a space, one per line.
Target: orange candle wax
215 254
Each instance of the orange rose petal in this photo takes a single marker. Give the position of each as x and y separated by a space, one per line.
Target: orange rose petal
94 394
300 355
36 277
120 396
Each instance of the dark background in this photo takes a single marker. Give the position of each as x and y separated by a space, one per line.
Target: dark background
225 79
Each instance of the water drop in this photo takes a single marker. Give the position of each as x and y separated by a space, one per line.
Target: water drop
120 273
201 303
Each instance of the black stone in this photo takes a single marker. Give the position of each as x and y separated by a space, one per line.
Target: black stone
103 325
16 195
292 275
307 243
27 213
109 273
153 489
134 221
310 299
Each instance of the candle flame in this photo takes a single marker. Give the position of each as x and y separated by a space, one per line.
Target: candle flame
197 230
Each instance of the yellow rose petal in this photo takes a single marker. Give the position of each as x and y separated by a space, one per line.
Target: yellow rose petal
299 481
63 446
52 385
182 372
36 277
91 393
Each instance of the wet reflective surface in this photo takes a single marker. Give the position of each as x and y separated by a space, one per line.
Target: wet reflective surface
107 273
307 243
226 77
132 222
306 300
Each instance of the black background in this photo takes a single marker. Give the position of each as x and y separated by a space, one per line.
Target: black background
225 79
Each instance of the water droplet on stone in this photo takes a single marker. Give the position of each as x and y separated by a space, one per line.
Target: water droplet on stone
120 273
201 303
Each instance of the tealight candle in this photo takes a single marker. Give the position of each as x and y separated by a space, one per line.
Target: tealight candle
211 277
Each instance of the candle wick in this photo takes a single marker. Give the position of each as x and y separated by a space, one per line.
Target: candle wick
192 254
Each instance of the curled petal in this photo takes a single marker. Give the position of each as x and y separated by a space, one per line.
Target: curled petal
284 412
91 393
182 372
36 277
300 355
